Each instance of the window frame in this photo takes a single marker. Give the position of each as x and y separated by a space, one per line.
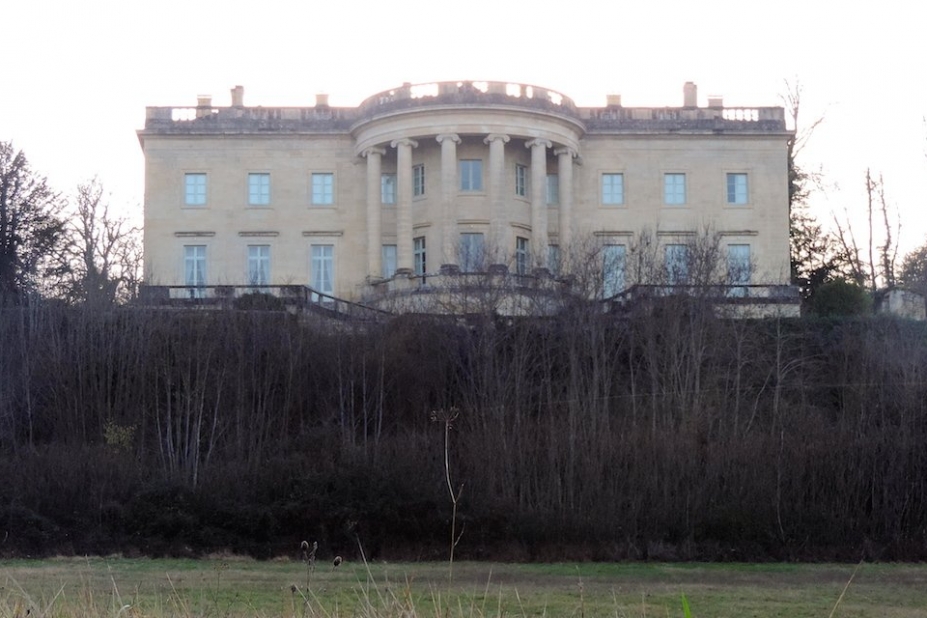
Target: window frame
194 269
258 188
522 255
521 180
671 190
608 190
259 262
322 189
470 175
195 189
418 180
733 195
388 193
676 267
322 265
614 268
739 271
386 260
471 255
552 189
419 256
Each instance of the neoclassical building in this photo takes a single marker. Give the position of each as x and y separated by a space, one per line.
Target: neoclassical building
432 182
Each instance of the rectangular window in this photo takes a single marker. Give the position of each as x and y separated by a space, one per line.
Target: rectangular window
194 268
389 260
470 252
553 259
521 180
418 180
738 268
676 261
522 255
612 189
418 253
736 188
323 185
674 189
613 267
194 189
553 189
471 175
258 264
388 189
322 271
258 189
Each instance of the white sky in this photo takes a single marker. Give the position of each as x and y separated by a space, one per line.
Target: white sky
77 75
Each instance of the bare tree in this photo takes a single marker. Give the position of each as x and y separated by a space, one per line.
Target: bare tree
103 253
30 226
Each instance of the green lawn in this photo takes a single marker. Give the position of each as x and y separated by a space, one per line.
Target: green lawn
71 587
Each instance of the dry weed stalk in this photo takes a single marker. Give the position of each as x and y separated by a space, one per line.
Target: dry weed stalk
448 417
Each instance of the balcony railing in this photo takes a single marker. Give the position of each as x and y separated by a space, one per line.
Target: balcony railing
282 297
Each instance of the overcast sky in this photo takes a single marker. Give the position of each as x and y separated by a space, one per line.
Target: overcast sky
77 75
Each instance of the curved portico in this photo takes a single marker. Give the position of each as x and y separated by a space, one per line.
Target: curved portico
506 134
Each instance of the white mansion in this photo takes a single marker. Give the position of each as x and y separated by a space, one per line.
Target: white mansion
440 182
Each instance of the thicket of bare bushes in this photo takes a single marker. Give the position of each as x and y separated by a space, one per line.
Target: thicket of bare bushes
666 434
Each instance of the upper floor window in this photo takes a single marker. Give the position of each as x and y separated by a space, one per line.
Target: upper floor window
259 189
471 175
737 188
418 180
388 189
521 180
553 189
194 189
674 189
612 189
258 264
323 185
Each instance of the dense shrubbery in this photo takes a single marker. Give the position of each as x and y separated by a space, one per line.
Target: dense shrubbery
668 434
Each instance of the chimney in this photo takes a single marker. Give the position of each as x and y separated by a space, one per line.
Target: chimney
238 96
690 95
321 100
613 100
203 105
715 100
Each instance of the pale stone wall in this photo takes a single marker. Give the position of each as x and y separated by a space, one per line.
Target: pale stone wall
291 144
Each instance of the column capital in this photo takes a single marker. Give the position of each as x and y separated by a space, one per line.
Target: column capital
539 141
492 137
405 141
373 150
448 136
566 150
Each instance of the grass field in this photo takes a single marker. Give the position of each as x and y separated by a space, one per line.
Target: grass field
71 587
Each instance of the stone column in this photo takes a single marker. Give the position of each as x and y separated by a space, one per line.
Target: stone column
448 143
539 201
404 204
565 171
374 231
498 244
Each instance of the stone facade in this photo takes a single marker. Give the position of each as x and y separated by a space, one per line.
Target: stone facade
458 177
